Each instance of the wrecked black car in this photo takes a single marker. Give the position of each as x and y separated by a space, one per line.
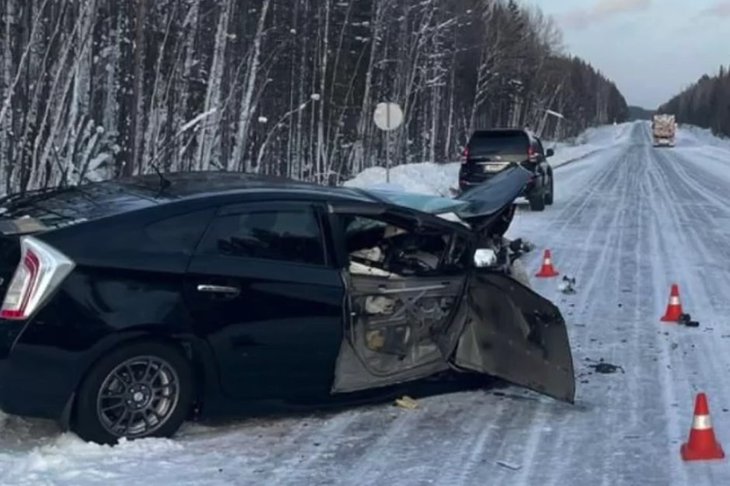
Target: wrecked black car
129 305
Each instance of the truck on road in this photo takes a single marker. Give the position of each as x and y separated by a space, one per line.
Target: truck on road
664 129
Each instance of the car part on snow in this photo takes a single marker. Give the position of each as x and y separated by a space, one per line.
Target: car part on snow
509 465
547 270
567 286
686 320
406 402
702 444
606 368
674 308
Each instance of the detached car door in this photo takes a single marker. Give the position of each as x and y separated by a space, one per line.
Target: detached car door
515 334
265 293
405 283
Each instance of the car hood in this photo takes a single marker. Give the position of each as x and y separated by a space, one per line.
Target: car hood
496 194
478 205
486 199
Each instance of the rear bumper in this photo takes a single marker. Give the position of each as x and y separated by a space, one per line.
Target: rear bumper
33 382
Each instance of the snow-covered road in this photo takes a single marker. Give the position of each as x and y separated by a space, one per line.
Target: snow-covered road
627 223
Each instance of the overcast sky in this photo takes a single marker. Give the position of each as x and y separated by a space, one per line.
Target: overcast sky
651 48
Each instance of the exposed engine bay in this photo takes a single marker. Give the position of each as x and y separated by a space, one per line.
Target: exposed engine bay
379 248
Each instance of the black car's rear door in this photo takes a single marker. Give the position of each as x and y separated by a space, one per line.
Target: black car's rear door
263 291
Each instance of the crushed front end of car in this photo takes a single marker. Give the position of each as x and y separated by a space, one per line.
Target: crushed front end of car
505 329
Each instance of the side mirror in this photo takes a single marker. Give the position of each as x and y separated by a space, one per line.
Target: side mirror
550 152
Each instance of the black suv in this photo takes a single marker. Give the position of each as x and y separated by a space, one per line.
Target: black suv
489 152
128 305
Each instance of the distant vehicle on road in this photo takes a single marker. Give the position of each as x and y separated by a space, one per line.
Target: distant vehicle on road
664 130
489 152
127 305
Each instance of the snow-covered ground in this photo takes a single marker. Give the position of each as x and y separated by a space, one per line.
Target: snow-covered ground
628 221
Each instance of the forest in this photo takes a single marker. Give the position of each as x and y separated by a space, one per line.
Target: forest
705 104
97 89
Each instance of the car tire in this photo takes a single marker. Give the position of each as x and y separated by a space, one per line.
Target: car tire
550 196
537 201
147 381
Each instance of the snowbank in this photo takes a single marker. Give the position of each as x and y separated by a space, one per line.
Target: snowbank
438 179
422 178
693 136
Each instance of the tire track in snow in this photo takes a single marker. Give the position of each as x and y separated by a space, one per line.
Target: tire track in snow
703 370
601 274
606 277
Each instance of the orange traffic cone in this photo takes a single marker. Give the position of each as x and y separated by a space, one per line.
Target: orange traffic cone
674 308
547 270
702 444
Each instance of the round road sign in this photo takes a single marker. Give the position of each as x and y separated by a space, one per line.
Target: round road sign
388 116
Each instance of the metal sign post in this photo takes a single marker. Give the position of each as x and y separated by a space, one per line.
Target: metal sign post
388 117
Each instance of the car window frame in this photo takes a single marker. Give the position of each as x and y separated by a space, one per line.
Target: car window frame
317 210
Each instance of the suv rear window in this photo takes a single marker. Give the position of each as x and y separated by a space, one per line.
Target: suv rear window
491 143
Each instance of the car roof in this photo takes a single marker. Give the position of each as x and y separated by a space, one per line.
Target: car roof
67 206
188 185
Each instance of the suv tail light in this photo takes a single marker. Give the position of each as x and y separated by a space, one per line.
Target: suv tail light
41 269
465 155
532 154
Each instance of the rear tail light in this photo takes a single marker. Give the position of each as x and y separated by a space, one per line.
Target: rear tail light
465 156
532 154
41 269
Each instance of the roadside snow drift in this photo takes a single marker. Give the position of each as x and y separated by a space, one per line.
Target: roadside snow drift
438 179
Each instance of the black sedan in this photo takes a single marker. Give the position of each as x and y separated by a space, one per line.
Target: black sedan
132 305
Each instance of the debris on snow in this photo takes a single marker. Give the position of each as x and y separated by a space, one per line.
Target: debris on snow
686 320
406 402
509 465
567 286
606 368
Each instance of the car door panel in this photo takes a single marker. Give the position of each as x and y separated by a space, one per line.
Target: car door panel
275 326
513 333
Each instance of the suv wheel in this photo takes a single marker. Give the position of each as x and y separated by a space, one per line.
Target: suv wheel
537 201
549 197
142 390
